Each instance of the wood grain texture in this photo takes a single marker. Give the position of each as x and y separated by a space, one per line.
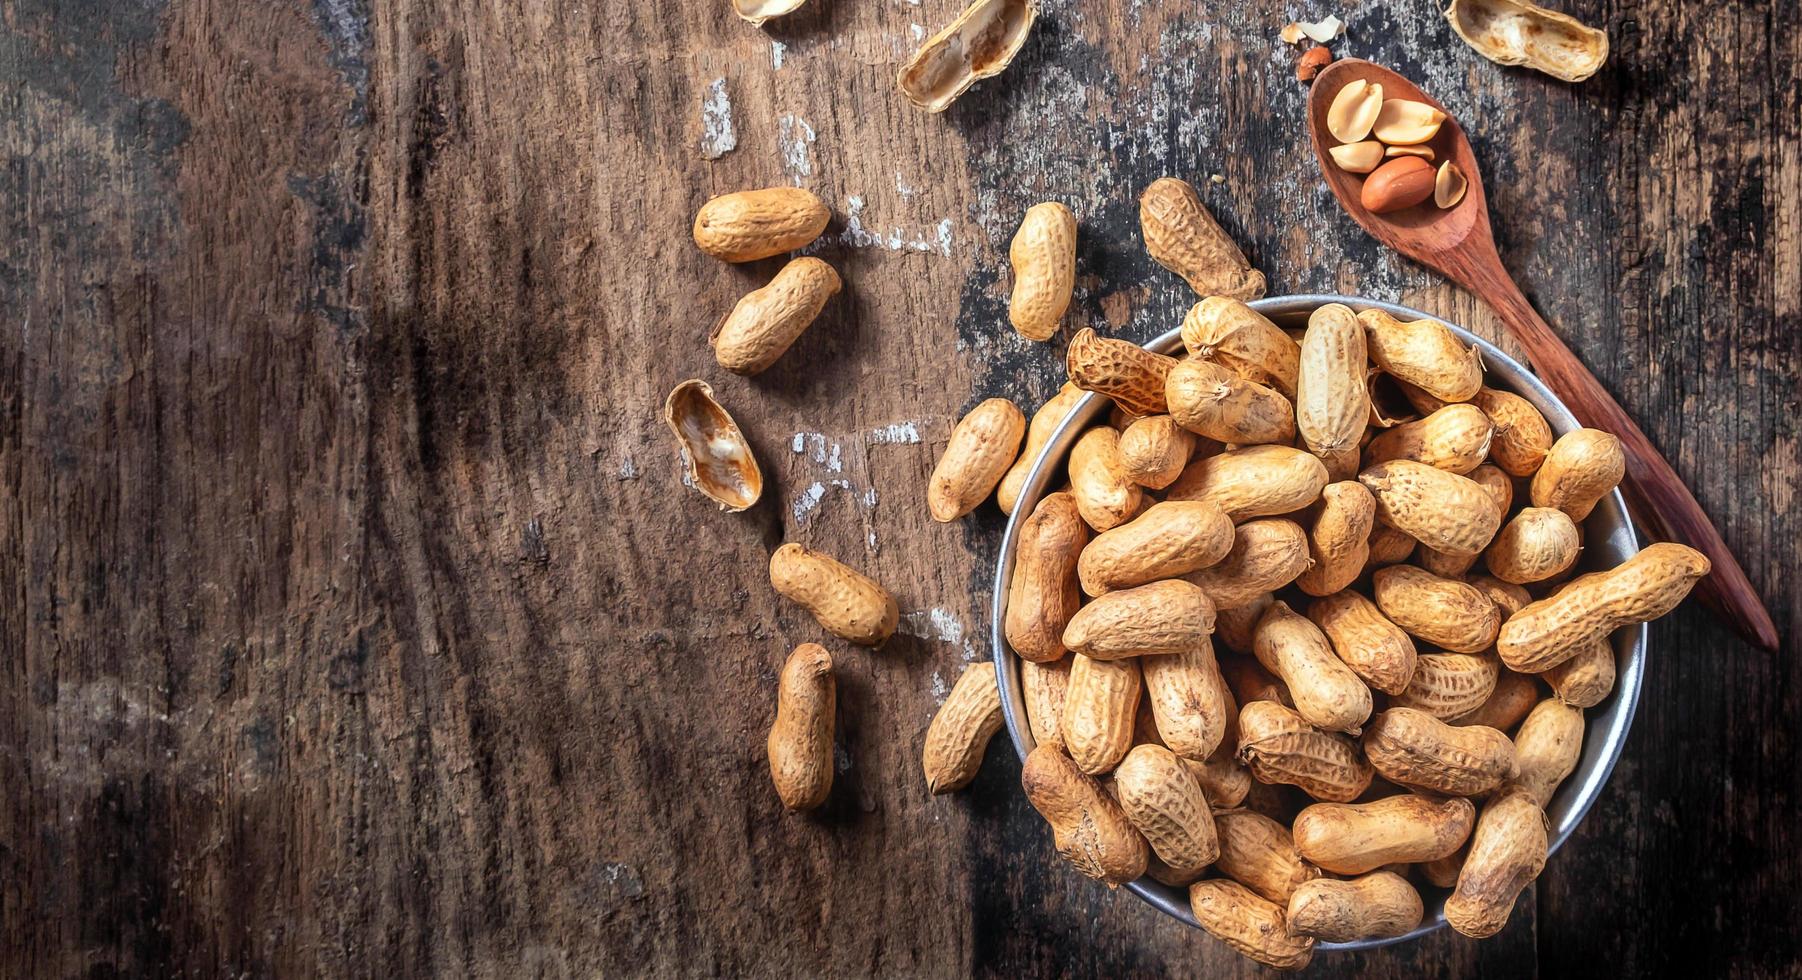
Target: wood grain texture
358 622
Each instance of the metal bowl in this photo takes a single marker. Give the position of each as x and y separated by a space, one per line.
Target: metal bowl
1608 540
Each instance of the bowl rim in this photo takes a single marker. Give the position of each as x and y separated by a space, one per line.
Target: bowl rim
1606 725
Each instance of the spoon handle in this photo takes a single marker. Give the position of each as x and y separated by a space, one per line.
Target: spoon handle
1658 496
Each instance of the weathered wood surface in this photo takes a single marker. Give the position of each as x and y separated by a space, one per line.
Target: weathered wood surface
356 620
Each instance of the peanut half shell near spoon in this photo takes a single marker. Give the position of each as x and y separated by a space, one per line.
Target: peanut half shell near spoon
1458 243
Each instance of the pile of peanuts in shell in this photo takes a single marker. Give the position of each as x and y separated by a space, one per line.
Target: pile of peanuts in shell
1404 656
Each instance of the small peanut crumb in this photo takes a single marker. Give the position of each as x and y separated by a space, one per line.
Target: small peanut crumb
1311 62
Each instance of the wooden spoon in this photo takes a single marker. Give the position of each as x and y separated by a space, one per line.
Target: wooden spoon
1458 243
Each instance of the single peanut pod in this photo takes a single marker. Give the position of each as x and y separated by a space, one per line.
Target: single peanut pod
1508 597
1589 608
1105 495
1258 852
1235 626
849 605
1043 254
1210 400
1582 467
1450 685
1279 746
1183 237
1129 374
1501 490
1441 510
1226 331
1587 678
1339 542
1514 696
1248 681
750 225
982 448
1388 545
1331 403
1447 613
1378 651
800 742
1456 439
1188 700
1266 555
715 453
1044 687
977 45
1088 826
1537 544
1257 481
1154 450
1548 746
767 321
1171 538
1165 617
1099 712
1222 778
1412 748
1326 691
960 731
1424 353
1038 432
1248 924
1353 838
1043 593
1522 436
1375 906
1507 851
1166 804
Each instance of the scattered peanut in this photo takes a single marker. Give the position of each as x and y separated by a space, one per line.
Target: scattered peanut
1184 238
1044 424
849 605
750 225
1129 374
960 732
800 742
1043 255
981 450
767 321
1043 594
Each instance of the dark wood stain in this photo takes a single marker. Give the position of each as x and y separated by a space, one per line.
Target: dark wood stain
358 624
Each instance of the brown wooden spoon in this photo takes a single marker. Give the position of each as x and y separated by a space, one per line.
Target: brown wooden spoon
1459 244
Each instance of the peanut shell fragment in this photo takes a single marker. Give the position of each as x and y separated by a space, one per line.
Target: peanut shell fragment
714 451
1514 32
979 44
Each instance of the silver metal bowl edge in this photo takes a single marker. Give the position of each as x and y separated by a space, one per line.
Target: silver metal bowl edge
1609 539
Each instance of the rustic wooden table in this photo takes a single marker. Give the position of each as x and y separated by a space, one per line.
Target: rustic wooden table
356 619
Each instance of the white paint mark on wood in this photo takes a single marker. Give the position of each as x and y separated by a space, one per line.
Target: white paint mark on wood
793 139
896 433
718 136
777 51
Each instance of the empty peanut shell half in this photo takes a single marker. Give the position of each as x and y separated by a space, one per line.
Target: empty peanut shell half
719 460
758 11
977 45
1513 32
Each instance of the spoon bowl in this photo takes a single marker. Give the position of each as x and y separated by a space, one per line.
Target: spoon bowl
1424 225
